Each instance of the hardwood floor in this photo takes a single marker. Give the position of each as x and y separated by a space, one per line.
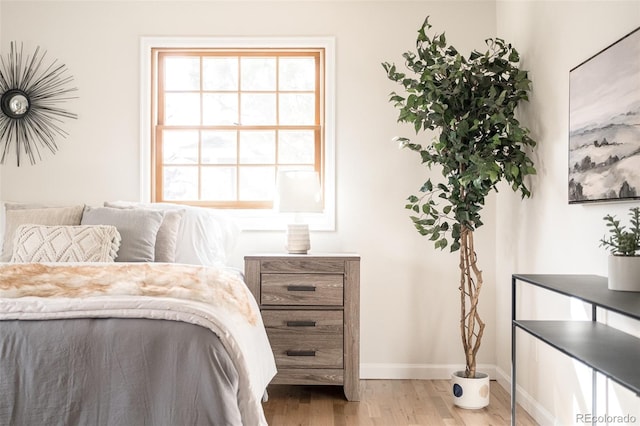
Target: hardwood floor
385 403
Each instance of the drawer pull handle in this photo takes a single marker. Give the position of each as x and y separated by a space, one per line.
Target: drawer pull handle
301 323
301 353
301 288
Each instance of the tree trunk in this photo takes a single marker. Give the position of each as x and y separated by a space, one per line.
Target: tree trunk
471 326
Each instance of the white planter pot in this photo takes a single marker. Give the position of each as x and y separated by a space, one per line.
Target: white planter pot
470 392
624 273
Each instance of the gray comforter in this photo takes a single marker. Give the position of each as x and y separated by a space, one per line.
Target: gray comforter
130 344
115 372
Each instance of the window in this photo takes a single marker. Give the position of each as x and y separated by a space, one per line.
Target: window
227 120
250 216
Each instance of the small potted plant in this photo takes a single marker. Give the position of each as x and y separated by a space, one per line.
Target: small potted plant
624 246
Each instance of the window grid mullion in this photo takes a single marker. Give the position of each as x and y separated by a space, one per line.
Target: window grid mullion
240 129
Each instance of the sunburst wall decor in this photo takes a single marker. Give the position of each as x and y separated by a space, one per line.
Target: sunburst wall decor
30 94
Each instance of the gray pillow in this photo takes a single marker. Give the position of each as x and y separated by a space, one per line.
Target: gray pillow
168 236
167 239
40 216
138 229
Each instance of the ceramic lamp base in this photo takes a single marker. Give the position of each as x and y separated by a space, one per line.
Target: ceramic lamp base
298 239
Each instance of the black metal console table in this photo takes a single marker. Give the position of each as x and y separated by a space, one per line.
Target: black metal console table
606 350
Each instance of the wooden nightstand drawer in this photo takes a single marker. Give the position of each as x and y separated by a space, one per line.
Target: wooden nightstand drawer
302 289
307 353
305 339
300 323
297 264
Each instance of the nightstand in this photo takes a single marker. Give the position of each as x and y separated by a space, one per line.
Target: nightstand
310 306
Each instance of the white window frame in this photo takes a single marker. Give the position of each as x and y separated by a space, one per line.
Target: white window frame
248 219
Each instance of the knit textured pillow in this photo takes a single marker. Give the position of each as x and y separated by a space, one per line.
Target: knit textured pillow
84 243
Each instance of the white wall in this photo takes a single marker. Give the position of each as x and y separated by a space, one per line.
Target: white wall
409 291
544 234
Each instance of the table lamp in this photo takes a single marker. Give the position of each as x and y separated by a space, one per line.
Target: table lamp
298 191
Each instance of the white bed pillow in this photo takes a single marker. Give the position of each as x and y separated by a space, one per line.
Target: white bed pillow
41 243
138 229
18 214
205 236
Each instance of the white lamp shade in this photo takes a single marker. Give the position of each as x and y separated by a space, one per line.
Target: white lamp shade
298 191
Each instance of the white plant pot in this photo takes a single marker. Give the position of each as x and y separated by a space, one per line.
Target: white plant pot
470 392
624 273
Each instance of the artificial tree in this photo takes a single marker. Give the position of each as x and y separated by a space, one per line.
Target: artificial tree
470 102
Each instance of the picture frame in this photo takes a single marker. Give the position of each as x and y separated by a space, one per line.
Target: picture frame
604 124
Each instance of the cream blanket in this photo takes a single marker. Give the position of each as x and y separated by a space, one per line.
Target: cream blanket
212 297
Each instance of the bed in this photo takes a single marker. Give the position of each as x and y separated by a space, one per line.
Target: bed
126 342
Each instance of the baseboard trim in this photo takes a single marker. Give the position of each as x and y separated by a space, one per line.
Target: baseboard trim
374 371
526 401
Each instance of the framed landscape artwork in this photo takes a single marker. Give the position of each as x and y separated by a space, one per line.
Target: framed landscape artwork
604 124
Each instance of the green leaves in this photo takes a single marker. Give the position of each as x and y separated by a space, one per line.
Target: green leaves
622 242
471 102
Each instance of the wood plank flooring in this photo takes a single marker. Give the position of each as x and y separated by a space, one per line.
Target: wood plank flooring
385 403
